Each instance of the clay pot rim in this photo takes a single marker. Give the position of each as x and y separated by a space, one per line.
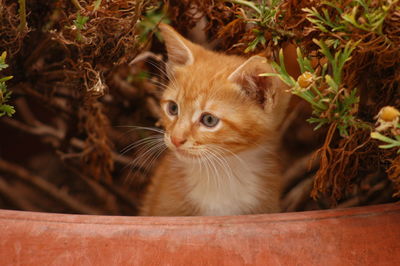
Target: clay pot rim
198 220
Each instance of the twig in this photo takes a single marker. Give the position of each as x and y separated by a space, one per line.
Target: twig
25 112
290 117
50 104
76 4
15 199
43 130
22 16
47 187
246 3
300 168
111 203
96 5
298 196
374 192
128 199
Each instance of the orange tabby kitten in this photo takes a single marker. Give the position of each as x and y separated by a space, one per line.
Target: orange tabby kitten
220 119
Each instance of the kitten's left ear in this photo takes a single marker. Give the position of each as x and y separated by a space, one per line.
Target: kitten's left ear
264 90
179 49
269 92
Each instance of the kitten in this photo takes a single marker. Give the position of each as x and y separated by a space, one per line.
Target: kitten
221 120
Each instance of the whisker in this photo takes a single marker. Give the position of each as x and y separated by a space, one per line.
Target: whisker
138 143
162 70
147 146
231 153
158 130
207 167
155 157
216 178
141 159
149 153
223 163
170 75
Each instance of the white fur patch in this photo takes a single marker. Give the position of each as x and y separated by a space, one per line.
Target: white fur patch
220 191
196 115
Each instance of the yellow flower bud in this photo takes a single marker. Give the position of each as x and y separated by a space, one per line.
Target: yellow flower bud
305 79
388 113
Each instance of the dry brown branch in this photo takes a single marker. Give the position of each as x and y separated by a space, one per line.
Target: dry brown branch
58 136
10 194
369 198
59 195
128 199
296 198
299 169
101 192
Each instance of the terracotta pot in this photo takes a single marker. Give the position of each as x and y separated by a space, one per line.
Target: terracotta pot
357 236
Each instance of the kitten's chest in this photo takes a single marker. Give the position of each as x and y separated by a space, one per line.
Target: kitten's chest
231 186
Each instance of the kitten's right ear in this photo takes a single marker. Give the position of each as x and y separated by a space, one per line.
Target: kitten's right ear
178 48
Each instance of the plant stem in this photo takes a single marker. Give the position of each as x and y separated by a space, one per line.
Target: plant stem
22 15
246 3
97 4
76 4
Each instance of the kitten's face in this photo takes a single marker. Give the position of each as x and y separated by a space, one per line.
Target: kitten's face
202 114
210 104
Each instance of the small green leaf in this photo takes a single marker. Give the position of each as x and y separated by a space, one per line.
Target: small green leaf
4 79
80 21
6 109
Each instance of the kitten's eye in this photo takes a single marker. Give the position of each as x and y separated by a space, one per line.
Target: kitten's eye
172 108
209 120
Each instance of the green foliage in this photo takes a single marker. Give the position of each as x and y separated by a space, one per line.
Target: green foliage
139 77
331 102
372 18
323 21
259 39
153 16
5 95
360 14
390 142
80 24
96 5
262 16
80 21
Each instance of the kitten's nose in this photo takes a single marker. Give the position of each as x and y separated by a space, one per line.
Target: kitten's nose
177 141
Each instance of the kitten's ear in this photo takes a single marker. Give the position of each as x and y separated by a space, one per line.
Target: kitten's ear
247 76
270 92
180 50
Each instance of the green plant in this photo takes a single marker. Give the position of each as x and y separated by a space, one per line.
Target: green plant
330 100
153 16
79 25
5 109
360 14
77 4
80 21
390 142
96 5
263 16
22 15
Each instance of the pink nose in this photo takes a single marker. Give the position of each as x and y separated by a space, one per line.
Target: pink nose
177 141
